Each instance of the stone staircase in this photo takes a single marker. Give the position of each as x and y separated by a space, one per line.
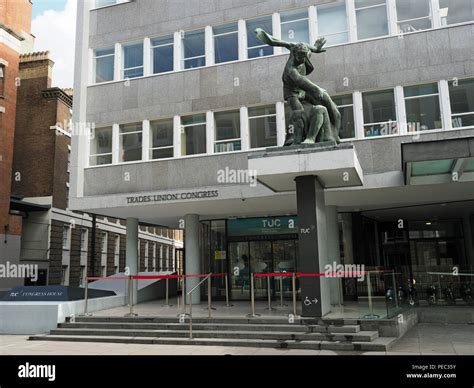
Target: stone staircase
253 332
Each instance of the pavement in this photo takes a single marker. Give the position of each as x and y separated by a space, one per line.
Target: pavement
423 339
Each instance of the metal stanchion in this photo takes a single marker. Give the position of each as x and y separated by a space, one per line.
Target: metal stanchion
209 290
167 304
293 286
252 297
183 294
178 297
130 297
191 315
86 297
369 294
227 291
269 296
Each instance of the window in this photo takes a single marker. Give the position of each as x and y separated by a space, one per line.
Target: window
162 54
130 142
194 49
161 139
295 26
116 253
256 48
193 135
332 23
226 43
83 239
379 113
66 237
103 247
227 129
456 11
103 3
101 146
64 275
132 61
346 107
262 126
462 102
147 268
422 107
2 80
413 15
104 65
82 275
371 18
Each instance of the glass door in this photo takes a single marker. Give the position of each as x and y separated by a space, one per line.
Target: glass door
284 259
239 270
261 262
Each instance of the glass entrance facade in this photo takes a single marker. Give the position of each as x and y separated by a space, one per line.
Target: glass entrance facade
240 247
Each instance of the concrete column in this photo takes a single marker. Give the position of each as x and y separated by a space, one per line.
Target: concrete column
333 252
191 246
315 291
131 258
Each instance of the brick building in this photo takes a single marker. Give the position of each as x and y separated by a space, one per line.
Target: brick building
15 38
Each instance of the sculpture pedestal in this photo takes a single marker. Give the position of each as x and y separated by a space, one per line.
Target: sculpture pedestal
309 169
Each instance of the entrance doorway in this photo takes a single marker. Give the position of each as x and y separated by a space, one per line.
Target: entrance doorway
247 257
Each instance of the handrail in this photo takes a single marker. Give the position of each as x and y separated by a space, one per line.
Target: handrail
197 285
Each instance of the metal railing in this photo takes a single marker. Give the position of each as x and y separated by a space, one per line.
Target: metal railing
190 294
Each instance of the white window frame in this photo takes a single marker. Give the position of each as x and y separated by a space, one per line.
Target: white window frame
152 52
122 67
386 4
66 238
266 129
214 36
396 121
354 113
398 21
129 133
104 154
95 57
84 239
405 99
104 243
183 59
263 45
151 148
453 115
215 142
183 132
347 31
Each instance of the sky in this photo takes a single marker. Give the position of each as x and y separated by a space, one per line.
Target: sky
54 26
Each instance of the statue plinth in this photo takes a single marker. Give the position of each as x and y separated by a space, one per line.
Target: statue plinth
334 165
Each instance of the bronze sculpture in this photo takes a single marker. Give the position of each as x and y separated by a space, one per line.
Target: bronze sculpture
315 118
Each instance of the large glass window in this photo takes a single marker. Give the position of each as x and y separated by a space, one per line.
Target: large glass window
130 142
256 48
413 15
371 18
422 107
104 65
194 49
227 129
379 113
456 11
161 139
346 107
262 126
101 146
462 102
294 26
226 43
193 135
332 23
162 54
133 60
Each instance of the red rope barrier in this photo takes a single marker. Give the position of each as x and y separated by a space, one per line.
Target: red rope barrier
273 274
102 278
331 275
151 277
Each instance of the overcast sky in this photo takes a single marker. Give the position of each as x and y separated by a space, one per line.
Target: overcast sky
54 26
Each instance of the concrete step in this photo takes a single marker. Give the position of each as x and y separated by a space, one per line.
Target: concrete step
267 343
363 336
210 325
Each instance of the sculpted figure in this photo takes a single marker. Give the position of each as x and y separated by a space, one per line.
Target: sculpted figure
315 117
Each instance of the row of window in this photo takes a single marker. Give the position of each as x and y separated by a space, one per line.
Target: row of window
339 23
383 112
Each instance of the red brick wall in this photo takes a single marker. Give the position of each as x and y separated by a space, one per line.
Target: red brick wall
16 14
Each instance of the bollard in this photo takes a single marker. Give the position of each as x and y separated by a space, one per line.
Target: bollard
227 291
209 290
191 315
252 295
293 286
86 294
130 297
281 291
167 292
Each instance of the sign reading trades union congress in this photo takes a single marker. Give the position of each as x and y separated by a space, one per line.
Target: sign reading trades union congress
173 197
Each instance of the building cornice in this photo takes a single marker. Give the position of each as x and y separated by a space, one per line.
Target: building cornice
59 94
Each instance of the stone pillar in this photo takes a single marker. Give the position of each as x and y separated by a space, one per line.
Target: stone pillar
191 246
315 292
333 252
131 257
